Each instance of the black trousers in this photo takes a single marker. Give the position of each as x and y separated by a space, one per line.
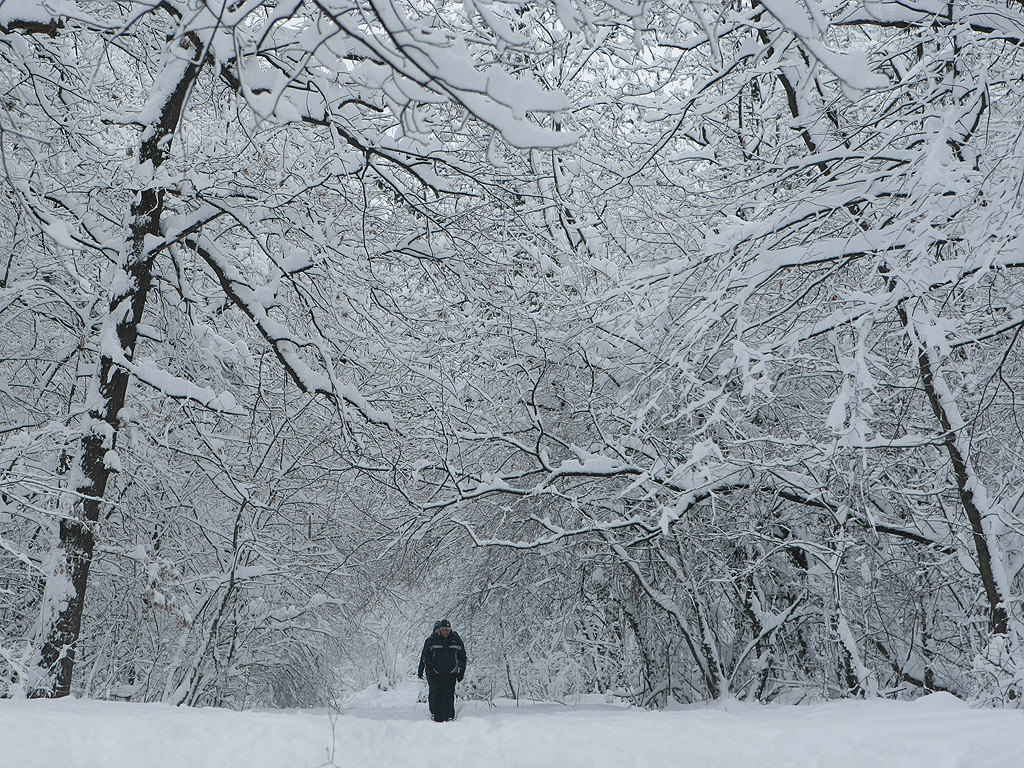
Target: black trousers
441 696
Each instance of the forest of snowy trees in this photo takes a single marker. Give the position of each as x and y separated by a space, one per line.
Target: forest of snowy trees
670 348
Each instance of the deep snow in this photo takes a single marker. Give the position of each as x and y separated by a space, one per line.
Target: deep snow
391 730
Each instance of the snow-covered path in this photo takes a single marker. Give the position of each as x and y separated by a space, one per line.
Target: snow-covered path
392 732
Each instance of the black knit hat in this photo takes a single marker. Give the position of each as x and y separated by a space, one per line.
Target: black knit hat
444 623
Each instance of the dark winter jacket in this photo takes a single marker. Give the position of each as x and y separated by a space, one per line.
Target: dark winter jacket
443 657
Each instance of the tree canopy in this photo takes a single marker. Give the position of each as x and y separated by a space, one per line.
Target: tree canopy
671 347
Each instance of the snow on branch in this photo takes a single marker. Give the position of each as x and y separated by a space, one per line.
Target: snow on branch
852 67
442 62
995 19
33 17
557 533
286 345
164 382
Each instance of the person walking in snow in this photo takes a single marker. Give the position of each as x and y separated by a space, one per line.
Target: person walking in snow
443 658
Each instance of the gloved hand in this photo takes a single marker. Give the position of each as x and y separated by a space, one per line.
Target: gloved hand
459 678
420 675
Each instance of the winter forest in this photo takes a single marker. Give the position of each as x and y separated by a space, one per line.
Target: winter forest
671 349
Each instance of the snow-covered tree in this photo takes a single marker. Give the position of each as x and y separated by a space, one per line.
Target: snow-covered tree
195 185
775 400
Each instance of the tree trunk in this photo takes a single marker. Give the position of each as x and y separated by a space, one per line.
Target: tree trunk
963 472
64 599
965 483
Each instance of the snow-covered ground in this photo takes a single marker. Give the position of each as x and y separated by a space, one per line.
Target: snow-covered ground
392 731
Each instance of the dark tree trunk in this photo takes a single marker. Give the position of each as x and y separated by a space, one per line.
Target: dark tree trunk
998 618
70 577
984 558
